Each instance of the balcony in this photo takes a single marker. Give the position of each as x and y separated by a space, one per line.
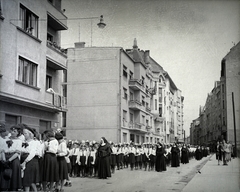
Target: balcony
158 118
56 100
136 105
56 19
148 109
137 127
53 46
137 84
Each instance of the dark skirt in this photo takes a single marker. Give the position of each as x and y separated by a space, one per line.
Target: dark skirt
50 168
31 173
113 159
4 182
83 160
90 161
16 180
63 168
131 158
160 163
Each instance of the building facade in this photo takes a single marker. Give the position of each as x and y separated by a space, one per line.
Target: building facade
33 65
120 94
230 94
219 118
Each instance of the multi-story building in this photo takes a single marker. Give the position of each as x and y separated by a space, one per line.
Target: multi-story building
230 94
219 118
32 64
116 93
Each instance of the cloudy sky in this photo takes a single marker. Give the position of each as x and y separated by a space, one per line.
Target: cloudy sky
188 38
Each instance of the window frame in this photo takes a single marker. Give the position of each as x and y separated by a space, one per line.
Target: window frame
27 72
29 21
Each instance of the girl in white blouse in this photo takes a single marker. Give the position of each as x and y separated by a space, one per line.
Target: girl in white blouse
30 165
50 164
13 157
61 153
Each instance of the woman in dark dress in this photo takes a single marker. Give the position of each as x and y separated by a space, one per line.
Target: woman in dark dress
175 156
198 153
184 155
103 153
160 158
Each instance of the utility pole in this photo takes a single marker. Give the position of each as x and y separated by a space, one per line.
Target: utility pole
234 125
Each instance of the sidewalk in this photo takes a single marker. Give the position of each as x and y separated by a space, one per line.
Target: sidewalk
214 177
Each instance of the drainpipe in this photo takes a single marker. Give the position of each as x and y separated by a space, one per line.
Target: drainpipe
119 99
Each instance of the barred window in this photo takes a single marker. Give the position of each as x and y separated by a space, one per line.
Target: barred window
27 72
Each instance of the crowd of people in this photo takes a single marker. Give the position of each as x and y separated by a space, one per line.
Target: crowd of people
30 161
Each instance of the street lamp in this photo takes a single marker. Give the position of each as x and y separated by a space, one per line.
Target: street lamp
101 24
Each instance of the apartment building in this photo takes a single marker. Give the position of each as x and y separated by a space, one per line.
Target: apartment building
115 93
33 64
230 94
219 118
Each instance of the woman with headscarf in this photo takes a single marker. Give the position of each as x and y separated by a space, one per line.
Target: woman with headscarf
103 153
175 155
160 158
184 154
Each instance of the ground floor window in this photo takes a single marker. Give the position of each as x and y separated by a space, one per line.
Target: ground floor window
44 125
11 120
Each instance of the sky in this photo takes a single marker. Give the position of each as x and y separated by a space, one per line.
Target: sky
188 38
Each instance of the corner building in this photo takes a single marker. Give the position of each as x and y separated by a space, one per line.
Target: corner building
114 94
32 64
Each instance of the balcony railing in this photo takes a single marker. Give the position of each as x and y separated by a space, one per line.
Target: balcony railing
137 127
56 47
56 100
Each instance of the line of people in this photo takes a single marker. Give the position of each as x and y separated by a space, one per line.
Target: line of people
84 157
28 163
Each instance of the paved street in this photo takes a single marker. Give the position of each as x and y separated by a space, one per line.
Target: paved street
174 179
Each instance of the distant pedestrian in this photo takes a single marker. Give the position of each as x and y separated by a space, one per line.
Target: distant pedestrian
175 156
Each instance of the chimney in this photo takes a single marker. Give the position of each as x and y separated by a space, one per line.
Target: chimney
146 56
79 44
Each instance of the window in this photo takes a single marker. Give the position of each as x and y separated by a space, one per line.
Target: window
124 115
137 139
143 101
125 71
131 96
143 119
124 137
143 79
64 119
49 37
125 96
155 104
28 21
44 125
131 118
48 82
131 75
27 72
132 138
12 120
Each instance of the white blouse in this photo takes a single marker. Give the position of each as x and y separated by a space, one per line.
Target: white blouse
15 147
52 146
31 149
62 149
